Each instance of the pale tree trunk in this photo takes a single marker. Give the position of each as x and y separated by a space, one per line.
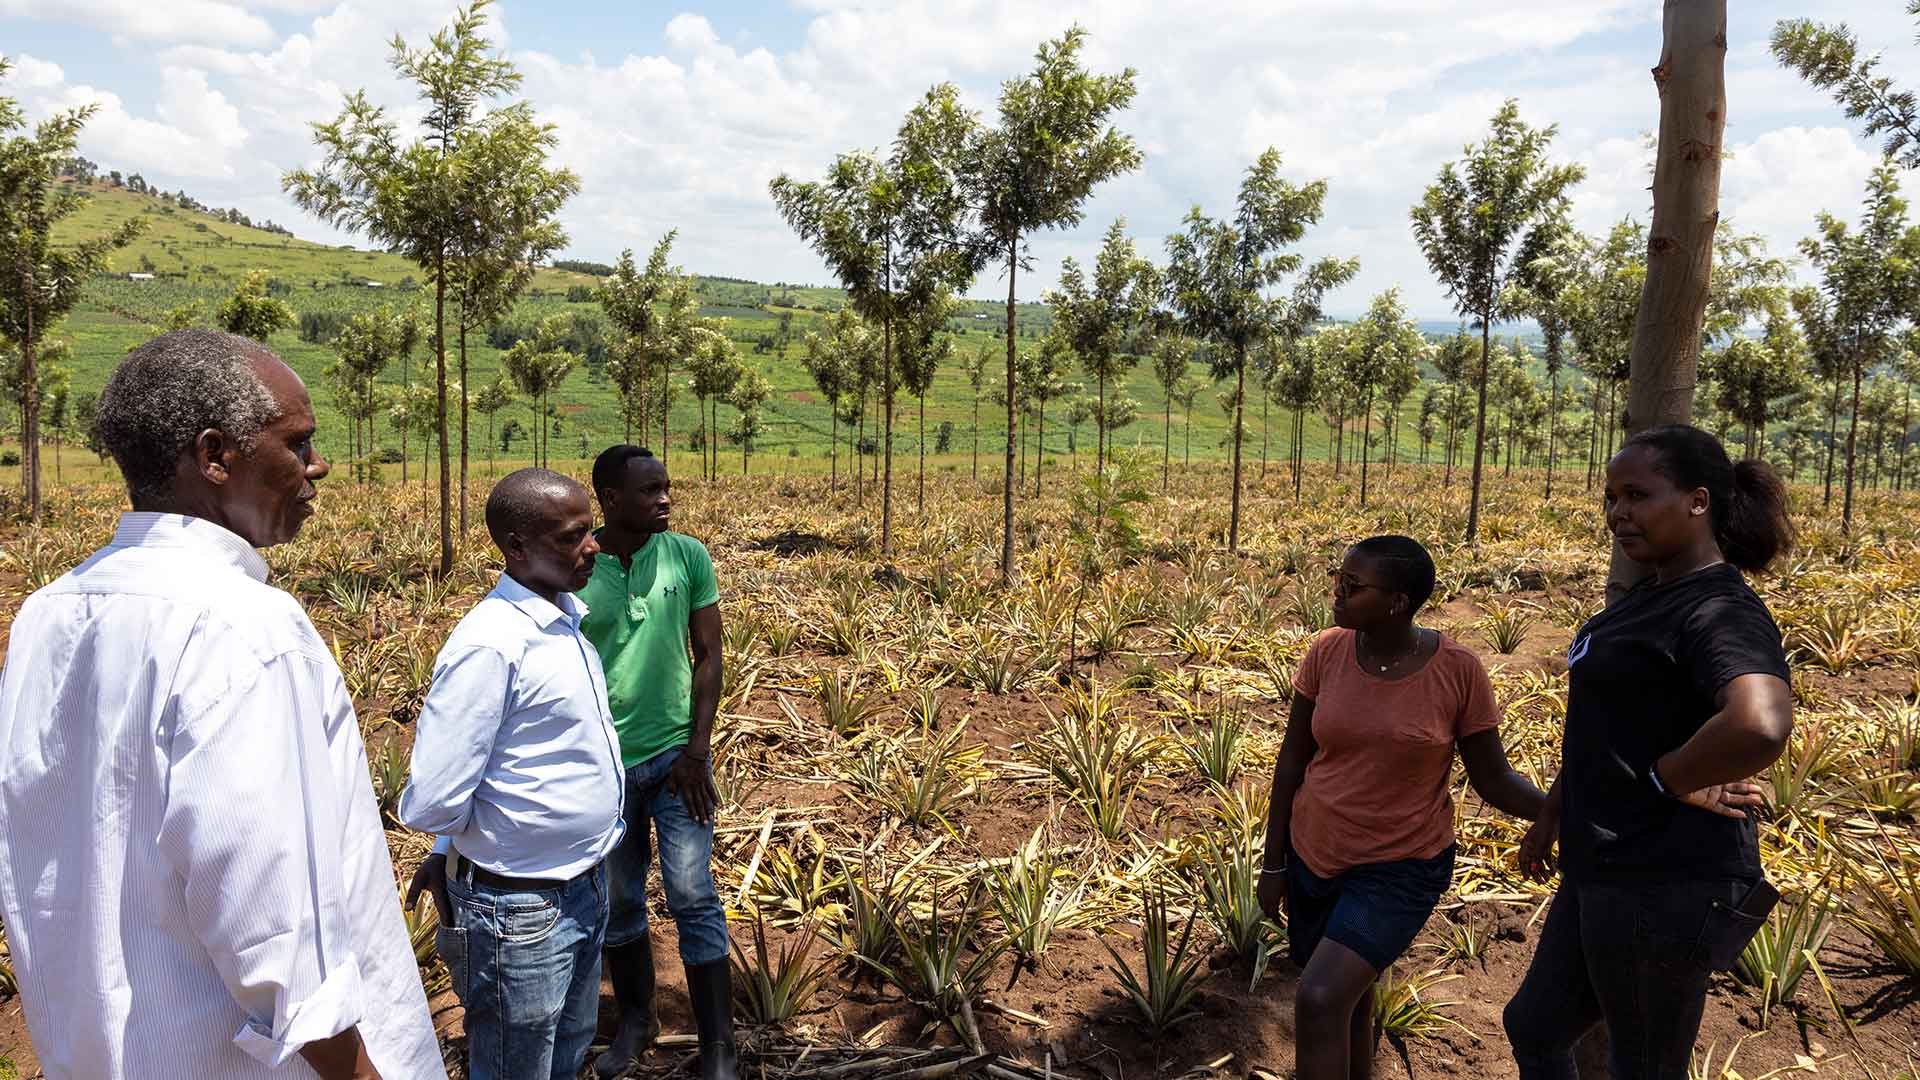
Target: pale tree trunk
1691 81
1006 489
30 413
463 430
1239 411
440 421
1479 431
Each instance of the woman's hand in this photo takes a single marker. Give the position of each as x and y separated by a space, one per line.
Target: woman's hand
1726 799
1536 848
1272 892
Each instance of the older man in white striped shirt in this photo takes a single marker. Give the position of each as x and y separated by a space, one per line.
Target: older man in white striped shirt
516 765
192 867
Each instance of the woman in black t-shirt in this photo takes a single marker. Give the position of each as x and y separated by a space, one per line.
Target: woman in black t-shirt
1677 693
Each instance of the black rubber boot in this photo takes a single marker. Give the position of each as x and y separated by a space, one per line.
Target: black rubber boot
630 966
710 988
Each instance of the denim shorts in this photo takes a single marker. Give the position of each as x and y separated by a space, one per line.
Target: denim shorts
1376 909
686 867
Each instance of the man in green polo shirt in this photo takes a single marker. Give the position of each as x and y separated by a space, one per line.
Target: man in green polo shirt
654 616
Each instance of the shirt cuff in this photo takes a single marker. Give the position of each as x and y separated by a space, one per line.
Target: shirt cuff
442 845
331 1009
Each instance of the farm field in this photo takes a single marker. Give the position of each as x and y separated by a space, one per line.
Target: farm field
924 769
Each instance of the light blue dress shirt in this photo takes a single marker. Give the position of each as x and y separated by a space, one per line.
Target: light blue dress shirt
515 759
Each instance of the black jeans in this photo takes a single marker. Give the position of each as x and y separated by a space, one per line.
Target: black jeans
1636 956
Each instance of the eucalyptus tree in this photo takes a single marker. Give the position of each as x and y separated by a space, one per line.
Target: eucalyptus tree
490 399
1043 378
1484 219
631 297
1295 385
747 396
833 358
890 229
1828 56
1381 359
416 408
1052 145
1172 358
921 350
507 198
1756 380
454 193
1100 318
538 364
253 311
1432 404
1871 276
366 345
1453 359
1547 294
41 278
976 368
714 367
1220 272
1186 394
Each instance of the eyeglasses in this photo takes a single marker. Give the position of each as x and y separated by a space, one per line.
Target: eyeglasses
1344 585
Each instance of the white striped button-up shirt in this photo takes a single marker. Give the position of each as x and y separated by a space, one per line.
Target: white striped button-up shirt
515 760
192 867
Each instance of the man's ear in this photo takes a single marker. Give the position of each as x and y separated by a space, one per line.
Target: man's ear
213 455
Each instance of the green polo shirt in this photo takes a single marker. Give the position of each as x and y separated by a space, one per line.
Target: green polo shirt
639 619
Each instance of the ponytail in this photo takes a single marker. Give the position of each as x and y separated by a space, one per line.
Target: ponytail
1748 500
1754 529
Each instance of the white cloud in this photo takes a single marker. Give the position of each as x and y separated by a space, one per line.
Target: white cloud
145 20
32 73
1370 94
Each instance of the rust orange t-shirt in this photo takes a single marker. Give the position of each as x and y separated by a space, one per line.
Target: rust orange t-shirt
1376 791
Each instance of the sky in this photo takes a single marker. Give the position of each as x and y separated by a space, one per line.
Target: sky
677 116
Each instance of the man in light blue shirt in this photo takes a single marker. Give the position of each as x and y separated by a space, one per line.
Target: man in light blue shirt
516 766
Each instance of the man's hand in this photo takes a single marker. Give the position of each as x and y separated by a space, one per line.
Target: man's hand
1272 892
690 779
1726 799
431 878
1536 848
340 1057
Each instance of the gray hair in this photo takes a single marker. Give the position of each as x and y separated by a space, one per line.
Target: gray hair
169 390
522 500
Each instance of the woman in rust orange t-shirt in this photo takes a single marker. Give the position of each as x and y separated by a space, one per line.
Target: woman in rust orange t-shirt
1360 831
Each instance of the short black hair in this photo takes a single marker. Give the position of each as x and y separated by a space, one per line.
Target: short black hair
1404 562
611 465
519 501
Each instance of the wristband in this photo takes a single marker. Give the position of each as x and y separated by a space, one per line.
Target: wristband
1659 786
1264 871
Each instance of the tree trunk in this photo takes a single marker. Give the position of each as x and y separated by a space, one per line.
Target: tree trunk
920 493
1166 448
1665 363
1100 431
30 411
1366 434
1006 490
440 420
1264 400
1479 431
1453 416
976 436
1833 441
1853 430
1239 411
833 447
1553 426
463 430
886 437
1299 451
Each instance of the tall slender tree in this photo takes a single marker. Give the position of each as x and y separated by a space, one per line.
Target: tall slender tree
1484 218
1172 358
1871 276
631 297
538 364
1221 271
1052 146
976 369
41 280
1102 318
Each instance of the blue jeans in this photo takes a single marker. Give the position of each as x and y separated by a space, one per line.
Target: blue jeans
686 867
526 966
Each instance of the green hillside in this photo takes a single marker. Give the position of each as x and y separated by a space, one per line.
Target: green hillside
196 259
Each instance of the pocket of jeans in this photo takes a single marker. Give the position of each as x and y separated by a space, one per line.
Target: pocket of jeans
1729 928
451 943
528 919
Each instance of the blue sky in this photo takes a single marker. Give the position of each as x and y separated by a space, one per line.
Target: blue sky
676 116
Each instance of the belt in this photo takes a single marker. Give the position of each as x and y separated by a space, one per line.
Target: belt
459 866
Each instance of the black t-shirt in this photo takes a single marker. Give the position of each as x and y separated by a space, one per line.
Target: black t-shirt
1643 675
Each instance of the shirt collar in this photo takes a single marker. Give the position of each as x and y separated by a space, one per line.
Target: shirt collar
140 528
536 607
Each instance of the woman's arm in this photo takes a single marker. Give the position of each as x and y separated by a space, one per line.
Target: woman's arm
1289 769
1494 778
1748 732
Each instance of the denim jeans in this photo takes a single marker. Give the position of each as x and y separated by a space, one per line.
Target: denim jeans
526 966
1635 956
686 867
